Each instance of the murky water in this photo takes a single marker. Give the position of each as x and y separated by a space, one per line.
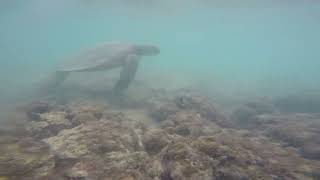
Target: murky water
226 50
257 47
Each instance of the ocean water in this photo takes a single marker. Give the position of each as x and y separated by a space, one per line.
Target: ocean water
255 47
227 50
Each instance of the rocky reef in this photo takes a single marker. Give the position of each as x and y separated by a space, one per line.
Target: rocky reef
303 102
185 137
24 158
291 129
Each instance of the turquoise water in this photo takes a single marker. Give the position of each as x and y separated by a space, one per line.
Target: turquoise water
265 48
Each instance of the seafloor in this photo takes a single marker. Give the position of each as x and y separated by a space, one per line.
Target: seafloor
157 134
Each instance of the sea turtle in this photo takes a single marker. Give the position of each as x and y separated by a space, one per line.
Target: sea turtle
106 56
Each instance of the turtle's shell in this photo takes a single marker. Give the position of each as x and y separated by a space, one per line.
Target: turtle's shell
98 56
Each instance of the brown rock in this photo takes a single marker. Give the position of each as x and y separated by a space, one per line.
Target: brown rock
155 140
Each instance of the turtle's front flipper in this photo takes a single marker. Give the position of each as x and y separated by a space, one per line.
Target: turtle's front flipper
127 74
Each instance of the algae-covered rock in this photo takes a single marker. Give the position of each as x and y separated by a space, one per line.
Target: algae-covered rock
297 130
78 171
181 161
261 106
48 120
154 140
161 112
258 157
34 109
95 137
69 143
190 124
25 158
203 106
169 105
311 150
245 116
120 165
50 124
83 118
191 140
91 109
113 165
155 169
304 102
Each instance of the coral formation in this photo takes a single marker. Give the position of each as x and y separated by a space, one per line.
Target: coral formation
24 158
48 124
300 103
189 139
298 130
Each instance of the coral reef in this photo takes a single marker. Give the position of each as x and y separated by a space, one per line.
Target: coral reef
298 130
24 158
48 124
191 102
99 137
245 115
189 139
302 102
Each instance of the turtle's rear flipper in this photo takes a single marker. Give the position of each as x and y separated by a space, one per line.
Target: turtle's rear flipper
53 81
127 74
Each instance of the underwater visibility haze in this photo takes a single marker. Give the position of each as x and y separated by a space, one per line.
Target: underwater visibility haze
258 61
259 47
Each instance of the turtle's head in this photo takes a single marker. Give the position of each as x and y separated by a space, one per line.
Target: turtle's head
147 50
